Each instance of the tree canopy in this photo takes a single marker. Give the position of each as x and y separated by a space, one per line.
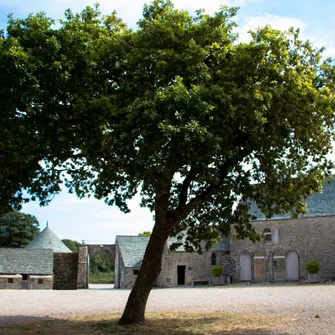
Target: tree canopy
71 244
145 233
17 229
177 110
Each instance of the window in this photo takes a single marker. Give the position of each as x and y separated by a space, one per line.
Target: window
10 280
136 272
213 260
267 235
39 281
24 277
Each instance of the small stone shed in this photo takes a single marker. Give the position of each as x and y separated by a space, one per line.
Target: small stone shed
179 268
26 269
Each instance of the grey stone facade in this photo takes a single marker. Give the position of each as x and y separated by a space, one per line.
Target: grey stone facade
310 238
178 267
182 268
10 282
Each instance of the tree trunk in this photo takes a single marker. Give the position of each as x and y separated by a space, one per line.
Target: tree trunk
150 269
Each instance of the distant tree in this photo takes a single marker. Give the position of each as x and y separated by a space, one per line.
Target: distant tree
101 263
17 229
71 244
145 233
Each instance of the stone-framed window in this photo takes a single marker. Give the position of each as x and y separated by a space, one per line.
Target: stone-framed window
39 281
135 272
267 236
10 280
213 259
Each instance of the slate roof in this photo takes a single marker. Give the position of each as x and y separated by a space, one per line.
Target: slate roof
132 248
319 204
47 239
26 261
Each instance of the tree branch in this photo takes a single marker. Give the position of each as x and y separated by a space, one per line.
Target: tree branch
182 211
186 183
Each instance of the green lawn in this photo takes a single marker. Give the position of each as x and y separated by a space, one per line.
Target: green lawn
102 278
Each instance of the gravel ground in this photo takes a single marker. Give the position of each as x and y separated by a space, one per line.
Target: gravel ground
309 309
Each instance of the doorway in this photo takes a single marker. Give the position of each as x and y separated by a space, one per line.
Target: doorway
279 265
181 269
259 265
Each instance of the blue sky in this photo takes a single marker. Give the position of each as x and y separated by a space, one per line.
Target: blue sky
93 221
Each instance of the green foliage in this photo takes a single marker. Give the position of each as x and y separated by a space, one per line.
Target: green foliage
217 270
312 267
101 263
71 244
101 278
17 229
177 110
145 233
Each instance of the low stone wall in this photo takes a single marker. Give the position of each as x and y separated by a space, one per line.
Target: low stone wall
65 268
40 282
10 282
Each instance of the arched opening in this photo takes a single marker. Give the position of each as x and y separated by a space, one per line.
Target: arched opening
267 236
279 265
245 267
292 266
213 259
259 265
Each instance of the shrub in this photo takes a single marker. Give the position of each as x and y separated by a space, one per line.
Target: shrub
217 270
312 267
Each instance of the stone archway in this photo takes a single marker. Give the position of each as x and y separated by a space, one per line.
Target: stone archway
279 265
259 265
292 266
245 267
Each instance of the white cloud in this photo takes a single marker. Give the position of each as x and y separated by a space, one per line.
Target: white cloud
275 21
129 10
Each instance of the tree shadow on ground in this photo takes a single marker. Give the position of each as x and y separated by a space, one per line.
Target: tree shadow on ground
157 325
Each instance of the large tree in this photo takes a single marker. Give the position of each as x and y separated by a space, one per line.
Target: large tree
17 229
177 110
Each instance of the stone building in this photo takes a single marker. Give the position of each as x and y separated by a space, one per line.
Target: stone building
26 268
288 244
45 263
178 267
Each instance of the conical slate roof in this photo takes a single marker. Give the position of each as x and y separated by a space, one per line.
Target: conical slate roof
47 239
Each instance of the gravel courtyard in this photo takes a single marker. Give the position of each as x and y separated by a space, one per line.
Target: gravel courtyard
309 309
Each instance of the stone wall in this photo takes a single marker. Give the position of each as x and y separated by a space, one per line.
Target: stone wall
5 285
312 238
197 267
40 282
83 267
65 269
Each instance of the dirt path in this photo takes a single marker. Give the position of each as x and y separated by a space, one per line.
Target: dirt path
308 309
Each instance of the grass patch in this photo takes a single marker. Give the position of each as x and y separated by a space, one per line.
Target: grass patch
102 278
170 323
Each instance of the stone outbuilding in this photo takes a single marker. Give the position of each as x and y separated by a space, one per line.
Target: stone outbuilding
26 269
45 263
179 268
